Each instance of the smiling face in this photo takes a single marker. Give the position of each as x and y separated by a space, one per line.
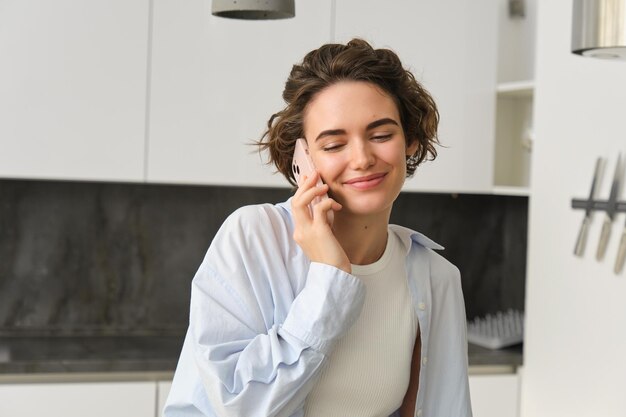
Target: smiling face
358 146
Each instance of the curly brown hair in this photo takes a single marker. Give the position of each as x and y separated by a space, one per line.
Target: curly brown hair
355 61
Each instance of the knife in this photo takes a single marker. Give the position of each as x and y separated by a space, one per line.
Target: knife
621 253
611 207
581 241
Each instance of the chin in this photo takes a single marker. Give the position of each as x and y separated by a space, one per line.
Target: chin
366 205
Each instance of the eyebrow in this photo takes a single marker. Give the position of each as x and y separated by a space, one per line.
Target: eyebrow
373 125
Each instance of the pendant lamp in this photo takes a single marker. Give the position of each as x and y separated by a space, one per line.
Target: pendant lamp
254 9
599 28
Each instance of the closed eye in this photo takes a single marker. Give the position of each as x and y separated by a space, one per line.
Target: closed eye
332 147
382 138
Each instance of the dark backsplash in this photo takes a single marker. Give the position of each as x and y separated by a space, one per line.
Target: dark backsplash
103 258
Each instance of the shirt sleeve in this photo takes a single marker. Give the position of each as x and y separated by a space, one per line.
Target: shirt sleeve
251 363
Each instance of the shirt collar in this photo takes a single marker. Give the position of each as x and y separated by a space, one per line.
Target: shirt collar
408 235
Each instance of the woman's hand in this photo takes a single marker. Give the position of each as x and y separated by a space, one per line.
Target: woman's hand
312 231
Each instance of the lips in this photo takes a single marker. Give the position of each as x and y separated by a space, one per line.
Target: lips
366 182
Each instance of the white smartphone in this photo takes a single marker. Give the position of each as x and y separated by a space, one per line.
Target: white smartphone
302 165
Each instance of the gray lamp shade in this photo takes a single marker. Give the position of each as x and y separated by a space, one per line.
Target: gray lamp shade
254 9
599 28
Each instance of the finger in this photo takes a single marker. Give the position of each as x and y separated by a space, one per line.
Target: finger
305 184
309 181
301 212
305 195
320 209
302 200
312 178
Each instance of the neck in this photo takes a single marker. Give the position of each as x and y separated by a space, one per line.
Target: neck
363 238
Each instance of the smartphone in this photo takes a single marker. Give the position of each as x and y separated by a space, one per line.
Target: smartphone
302 165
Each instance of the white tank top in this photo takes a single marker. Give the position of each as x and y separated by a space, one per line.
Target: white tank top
367 373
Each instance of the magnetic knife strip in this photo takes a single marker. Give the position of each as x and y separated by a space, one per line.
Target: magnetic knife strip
598 205
611 207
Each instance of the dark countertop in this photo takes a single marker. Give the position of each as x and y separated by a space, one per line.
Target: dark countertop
20 355
41 355
480 356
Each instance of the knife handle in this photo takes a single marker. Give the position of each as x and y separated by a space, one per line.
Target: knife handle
581 241
621 254
604 238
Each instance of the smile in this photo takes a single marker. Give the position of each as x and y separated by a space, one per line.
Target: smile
367 182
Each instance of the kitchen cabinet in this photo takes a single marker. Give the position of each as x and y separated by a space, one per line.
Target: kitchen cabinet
492 394
451 47
161 91
163 390
495 395
73 85
93 399
214 84
514 132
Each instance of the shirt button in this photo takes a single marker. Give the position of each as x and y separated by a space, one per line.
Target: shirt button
421 306
419 412
424 360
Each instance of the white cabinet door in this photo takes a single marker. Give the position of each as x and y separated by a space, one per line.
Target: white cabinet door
119 399
451 46
73 89
163 390
495 395
214 84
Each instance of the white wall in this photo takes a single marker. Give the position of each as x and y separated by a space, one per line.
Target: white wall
575 348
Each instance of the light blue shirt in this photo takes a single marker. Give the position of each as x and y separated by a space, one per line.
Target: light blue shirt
264 319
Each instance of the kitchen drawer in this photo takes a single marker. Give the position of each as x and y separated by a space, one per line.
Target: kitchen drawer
120 399
495 395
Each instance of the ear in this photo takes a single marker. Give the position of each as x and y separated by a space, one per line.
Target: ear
412 148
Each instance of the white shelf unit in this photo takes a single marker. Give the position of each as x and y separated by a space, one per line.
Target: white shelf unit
512 191
514 135
514 101
517 89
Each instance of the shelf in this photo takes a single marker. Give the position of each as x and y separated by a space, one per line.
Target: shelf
513 139
512 191
516 89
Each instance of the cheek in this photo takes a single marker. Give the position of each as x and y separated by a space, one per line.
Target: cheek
328 165
395 156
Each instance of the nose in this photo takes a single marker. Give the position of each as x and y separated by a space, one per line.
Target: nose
362 155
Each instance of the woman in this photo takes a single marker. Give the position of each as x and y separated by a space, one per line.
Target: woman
294 316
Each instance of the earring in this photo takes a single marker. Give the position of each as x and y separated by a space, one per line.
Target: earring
411 162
